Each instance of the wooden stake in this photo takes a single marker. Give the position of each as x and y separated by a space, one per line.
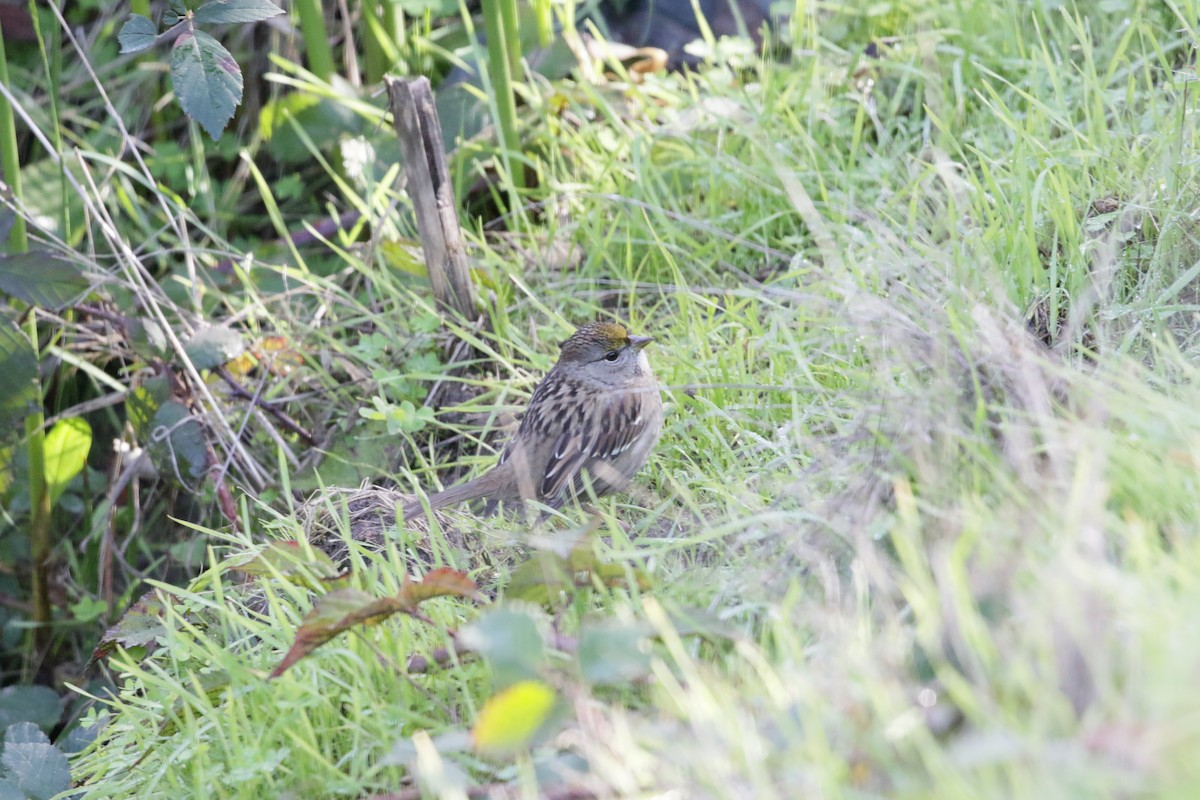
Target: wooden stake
416 122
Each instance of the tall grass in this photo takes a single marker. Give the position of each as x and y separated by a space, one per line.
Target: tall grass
925 316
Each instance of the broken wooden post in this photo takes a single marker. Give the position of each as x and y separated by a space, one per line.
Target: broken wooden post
416 121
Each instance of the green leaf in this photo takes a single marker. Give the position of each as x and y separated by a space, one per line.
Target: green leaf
139 626
37 704
214 346
67 446
42 183
177 442
42 279
137 34
542 578
146 338
611 652
510 641
219 12
88 609
143 402
18 372
206 79
38 768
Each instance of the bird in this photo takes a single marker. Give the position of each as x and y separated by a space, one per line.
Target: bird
591 421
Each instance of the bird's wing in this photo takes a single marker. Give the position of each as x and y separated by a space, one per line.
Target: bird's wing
580 451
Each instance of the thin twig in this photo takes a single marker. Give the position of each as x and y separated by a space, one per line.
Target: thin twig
282 416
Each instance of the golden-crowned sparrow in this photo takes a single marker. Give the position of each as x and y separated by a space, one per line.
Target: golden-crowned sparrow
591 421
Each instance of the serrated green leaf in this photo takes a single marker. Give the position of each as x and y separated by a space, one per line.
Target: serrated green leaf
42 279
37 704
214 346
67 446
38 768
141 625
18 371
137 34
221 12
206 79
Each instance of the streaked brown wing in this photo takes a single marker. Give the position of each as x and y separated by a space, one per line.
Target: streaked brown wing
578 451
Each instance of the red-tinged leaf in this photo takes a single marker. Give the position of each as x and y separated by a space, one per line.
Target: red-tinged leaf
281 357
274 353
439 583
138 626
225 500
290 559
206 79
332 614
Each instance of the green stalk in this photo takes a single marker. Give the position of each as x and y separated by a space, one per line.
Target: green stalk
500 78
384 38
512 37
393 23
375 61
9 163
39 514
50 48
316 38
543 15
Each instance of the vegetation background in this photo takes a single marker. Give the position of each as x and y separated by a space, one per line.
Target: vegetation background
923 520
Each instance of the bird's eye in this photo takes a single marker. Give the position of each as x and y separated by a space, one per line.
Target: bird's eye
612 355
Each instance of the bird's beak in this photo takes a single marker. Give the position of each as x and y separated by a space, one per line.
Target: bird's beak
638 342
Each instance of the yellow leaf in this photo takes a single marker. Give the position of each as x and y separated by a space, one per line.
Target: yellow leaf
509 720
66 448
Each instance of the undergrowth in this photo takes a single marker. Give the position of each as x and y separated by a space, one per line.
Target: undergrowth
922 520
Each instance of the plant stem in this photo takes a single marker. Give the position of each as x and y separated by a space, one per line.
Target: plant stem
316 38
373 50
10 164
500 78
39 513
512 37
